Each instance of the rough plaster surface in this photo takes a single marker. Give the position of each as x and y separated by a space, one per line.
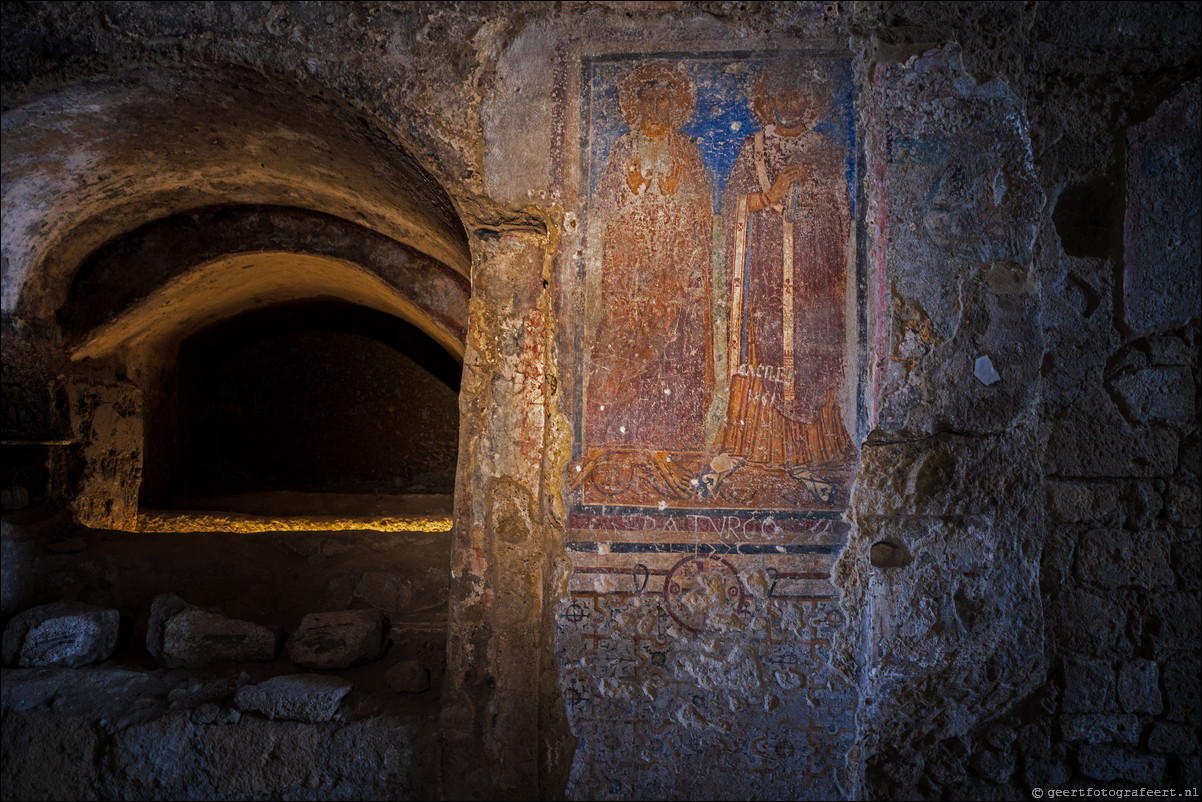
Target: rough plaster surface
252 127
106 421
940 578
173 276
1162 229
503 558
995 630
956 211
751 694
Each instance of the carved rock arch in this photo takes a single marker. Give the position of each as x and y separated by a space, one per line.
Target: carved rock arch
145 206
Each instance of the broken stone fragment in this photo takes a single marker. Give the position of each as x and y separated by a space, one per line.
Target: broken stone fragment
206 713
65 633
338 639
181 635
297 697
985 372
408 676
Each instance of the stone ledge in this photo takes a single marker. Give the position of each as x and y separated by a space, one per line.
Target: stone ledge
120 732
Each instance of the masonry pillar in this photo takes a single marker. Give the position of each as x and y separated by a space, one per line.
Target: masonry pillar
503 555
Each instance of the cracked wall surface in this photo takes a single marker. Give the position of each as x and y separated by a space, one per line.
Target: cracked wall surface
957 556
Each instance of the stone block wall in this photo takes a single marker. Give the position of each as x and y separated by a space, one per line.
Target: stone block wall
994 590
1103 475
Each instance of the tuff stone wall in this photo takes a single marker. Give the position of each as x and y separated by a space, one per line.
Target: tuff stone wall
1067 436
1009 597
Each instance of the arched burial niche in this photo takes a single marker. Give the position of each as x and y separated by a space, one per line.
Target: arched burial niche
145 215
317 397
203 194
340 316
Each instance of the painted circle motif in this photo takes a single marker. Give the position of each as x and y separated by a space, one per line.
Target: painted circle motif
699 586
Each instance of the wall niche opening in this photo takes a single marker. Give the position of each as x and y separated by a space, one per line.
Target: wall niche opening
315 408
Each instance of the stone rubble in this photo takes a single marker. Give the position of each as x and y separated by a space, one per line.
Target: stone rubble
338 639
181 635
408 676
313 698
65 633
110 734
1020 581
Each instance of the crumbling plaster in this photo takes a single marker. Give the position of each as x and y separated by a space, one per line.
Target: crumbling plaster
967 648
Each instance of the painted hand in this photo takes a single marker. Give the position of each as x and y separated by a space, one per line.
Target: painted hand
670 180
793 174
634 176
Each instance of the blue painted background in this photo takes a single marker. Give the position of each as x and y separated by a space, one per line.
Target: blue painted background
722 118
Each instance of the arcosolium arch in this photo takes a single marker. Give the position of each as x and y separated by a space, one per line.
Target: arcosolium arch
142 209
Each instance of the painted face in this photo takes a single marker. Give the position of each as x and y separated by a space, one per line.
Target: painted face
655 108
792 109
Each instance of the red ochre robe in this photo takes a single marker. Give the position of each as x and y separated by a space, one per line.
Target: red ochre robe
782 410
650 377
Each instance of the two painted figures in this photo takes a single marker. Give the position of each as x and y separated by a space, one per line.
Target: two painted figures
719 239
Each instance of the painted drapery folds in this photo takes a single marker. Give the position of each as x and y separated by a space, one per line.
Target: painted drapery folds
651 373
719 329
711 329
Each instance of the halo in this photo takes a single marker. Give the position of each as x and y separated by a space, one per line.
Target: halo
683 102
783 73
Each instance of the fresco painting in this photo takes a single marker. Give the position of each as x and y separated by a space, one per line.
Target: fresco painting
718 338
651 377
713 332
